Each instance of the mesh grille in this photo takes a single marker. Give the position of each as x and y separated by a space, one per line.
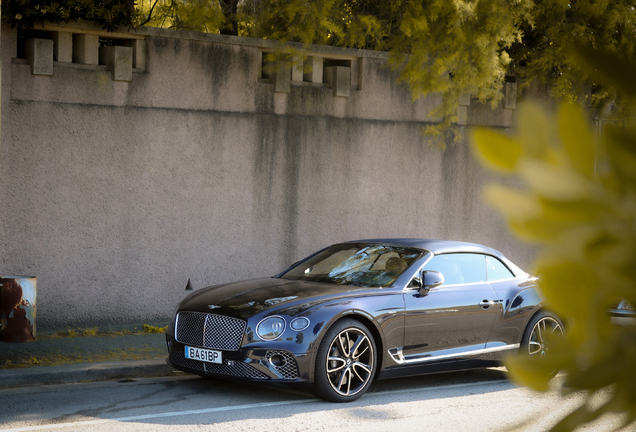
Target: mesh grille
210 331
178 358
289 369
224 333
229 368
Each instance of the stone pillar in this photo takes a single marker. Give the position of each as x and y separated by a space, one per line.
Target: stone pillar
282 77
119 60
63 47
86 49
313 69
297 69
39 53
339 78
139 52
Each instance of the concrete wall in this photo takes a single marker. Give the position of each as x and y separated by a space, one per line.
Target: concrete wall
114 193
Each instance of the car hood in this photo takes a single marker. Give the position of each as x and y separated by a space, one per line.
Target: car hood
248 298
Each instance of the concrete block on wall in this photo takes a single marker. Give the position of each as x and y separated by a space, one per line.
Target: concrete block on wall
39 54
63 47
339 78
313 69
282 77
297 69
119 60
139 52
464 99
86 49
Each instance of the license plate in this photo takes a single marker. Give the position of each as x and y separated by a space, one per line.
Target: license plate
204 355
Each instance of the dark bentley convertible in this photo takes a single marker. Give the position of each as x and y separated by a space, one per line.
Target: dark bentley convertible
364 310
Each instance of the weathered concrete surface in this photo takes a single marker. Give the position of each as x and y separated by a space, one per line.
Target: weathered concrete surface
115 193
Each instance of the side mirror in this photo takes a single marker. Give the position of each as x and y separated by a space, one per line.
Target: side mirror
430 279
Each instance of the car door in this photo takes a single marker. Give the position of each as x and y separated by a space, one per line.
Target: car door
455 317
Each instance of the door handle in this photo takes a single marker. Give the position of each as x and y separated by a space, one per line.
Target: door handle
487 303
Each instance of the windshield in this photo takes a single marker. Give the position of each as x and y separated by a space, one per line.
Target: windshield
371 265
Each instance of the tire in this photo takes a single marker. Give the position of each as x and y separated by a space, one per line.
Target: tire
533 342
345 363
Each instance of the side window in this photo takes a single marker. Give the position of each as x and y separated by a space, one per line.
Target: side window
497 270
459 268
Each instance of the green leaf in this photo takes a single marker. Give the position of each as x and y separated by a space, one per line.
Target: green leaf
536 230
573 211
513 204
495 150
553 182
535 130
577 138
556 277
529 373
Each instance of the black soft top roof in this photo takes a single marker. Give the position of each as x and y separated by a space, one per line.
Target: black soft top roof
445 246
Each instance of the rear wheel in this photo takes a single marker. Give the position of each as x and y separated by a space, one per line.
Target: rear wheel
345 363
539 334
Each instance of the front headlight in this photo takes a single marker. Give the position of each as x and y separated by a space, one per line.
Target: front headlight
270 327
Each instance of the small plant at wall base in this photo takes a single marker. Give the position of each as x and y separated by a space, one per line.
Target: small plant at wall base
110 14
579 206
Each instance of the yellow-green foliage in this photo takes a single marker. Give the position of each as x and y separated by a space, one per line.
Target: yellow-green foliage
90 331
198 15
579 206
153 329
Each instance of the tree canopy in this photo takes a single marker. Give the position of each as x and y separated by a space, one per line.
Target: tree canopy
451 48
111 14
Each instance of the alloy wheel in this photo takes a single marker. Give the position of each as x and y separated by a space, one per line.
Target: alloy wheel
537 344
350 362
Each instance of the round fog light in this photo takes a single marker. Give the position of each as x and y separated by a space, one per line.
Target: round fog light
277 360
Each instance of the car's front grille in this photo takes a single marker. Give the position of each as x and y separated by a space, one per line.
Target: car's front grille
209 330
229 367
288 369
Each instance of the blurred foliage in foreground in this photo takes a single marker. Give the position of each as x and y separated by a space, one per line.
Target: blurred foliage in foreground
579 205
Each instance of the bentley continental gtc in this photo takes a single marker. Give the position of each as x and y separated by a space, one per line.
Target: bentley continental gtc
364 310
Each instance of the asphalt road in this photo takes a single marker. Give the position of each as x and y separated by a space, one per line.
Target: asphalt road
480 400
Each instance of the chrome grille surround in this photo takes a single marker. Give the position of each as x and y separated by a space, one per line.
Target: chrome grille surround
231 368
289 370
209 330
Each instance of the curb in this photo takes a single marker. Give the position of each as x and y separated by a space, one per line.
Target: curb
83 372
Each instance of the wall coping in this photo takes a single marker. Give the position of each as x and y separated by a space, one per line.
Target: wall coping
267 45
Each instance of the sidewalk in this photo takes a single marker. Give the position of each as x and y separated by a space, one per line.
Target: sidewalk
126 352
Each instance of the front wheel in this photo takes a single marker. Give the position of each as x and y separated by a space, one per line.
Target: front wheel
345 362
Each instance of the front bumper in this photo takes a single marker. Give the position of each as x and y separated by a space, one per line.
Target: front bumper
285 360
269 365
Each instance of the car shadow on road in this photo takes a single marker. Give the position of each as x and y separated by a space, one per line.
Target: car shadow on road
225 403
